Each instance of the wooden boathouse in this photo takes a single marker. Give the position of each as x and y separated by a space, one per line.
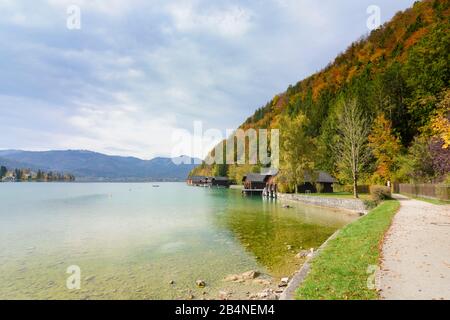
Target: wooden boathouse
204 181
321 182
260 184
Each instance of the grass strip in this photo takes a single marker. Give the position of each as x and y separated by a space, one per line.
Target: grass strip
340 272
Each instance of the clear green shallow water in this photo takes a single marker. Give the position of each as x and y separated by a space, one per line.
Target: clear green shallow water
132 240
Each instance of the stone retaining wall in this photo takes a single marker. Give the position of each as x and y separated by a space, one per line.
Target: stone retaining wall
355 205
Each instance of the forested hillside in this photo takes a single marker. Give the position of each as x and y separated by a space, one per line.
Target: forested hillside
397 78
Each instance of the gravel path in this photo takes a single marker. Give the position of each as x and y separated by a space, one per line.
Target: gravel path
416 253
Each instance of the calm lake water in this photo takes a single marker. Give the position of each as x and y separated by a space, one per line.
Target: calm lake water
131 240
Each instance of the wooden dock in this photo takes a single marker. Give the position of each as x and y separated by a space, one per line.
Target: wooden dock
253 191
260 192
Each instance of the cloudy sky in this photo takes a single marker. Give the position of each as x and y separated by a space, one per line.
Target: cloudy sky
138 70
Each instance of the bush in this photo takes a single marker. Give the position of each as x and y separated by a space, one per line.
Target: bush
285 188
380 193
370 204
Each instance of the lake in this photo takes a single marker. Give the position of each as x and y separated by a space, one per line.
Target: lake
136 241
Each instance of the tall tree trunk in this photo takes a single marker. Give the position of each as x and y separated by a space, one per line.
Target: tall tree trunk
355 187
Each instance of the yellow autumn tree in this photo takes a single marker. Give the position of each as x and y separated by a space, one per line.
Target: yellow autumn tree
440 123
385 146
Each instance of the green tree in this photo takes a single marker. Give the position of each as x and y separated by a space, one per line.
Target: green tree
427 72
220 170
3 171
418 165
352 146
39 175
18 174
296 150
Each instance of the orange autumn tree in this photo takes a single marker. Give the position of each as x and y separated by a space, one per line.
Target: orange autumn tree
385 146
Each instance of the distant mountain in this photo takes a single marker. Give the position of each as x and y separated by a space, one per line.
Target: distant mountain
87 165
12 164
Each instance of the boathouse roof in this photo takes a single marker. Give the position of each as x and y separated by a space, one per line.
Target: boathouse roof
220 178
322 177
256 177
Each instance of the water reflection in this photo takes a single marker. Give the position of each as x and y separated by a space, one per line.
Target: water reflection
132 240
274 235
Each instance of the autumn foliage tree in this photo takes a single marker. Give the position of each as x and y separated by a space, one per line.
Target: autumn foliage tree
440 123
385 146
352 146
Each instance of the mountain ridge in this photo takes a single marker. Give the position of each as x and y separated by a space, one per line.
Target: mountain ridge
90 165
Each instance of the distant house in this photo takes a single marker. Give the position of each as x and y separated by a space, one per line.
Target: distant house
9 178
321 180
197 180
255 181
220 182
203 181
33 175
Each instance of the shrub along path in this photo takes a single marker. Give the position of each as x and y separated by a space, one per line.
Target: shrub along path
416 253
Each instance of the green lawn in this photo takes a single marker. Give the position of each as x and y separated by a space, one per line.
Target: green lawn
340 271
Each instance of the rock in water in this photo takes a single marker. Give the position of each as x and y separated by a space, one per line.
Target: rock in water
250 275
200 283
266 294
224 295
284 282
302 254
231 278
262 282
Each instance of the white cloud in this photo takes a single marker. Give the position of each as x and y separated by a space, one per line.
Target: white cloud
309 13
138 70
231 21
123 128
